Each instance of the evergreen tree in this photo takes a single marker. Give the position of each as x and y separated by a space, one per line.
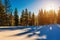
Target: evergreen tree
55 18
26 17
58 20
33 19
51 16
40 17
7 10
21 19
10 19
29 19
16 18
45 17
7 6
3 15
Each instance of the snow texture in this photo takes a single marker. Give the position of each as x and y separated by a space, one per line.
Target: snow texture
45 32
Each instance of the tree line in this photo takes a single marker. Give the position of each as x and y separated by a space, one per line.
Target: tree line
27 18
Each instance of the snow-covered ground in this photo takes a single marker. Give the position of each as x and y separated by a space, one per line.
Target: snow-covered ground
46 32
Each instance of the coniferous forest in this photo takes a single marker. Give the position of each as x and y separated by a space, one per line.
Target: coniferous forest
27 18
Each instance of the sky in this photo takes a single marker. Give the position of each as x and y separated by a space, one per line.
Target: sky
34 5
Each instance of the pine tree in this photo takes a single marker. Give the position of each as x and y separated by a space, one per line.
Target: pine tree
51 16
21 19
40 17
29 19
26 17
3 15
8 10
10 19
33 19
16 18
7 6
45 17
55 18
58 20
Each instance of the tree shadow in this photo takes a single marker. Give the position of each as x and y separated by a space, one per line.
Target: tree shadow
14 28
32 32
26 32
43 32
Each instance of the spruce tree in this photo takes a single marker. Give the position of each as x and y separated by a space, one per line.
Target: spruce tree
58 19
40 17
26 17
29 19
45 17
55 18
3 15
16 18
10 19
21 19
33 19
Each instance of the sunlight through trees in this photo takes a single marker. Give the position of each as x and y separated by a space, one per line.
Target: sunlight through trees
27 18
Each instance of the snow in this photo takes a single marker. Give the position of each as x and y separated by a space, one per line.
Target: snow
37 32
46 32
7 35
43 37
50 28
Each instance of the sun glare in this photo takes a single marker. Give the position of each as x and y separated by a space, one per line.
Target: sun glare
51 7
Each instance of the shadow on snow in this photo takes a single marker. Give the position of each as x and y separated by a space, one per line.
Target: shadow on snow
51 34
